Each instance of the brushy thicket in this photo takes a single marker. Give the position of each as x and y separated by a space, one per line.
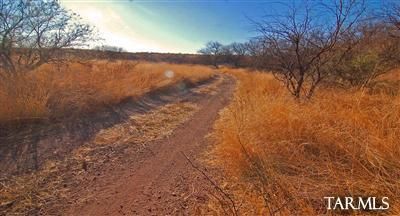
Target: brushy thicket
283 156
54 91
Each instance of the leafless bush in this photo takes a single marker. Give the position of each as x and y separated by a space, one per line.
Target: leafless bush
302 45
33 32
213 51
235 53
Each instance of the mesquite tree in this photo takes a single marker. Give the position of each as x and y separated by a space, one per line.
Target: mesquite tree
213 51
33 32
235 53
302 45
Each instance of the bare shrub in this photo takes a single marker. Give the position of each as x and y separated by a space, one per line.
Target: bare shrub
282 157
213 51
235 53
302 45
33 32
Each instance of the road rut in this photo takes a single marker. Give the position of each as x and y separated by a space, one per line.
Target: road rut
159 181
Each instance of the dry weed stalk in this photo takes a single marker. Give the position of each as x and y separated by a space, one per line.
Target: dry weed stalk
233 208
292 153
57 91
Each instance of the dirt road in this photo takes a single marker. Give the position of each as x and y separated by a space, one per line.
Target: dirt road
157 180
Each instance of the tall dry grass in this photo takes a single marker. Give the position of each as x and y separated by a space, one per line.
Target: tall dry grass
283 156
54 91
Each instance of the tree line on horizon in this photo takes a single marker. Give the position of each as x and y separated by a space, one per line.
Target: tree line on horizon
341 42
349 45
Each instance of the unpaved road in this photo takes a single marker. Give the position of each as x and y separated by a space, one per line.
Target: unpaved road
159 180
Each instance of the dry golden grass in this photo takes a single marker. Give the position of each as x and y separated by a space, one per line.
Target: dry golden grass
283 156
34 193
58 91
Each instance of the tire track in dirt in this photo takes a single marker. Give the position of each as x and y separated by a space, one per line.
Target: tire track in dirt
159 181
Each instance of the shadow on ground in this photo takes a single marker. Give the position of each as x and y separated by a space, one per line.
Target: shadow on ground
25 147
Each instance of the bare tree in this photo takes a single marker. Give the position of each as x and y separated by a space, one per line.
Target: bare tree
235 53
256 50
110 52
109 48
303 45
213 51
391 13
32 32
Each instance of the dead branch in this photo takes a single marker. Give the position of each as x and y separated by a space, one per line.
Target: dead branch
213 183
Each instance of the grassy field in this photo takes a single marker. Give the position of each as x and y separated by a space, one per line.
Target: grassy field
279 155
284 156
54 91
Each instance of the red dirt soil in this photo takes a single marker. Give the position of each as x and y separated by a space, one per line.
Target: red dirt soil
158 180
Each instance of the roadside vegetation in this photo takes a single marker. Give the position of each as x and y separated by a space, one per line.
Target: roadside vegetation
55 91
41 78
282 156
350 45
317 114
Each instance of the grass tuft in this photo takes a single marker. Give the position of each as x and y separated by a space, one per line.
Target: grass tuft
58 91
283 155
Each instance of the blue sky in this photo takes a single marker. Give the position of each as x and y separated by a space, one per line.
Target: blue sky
177 26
